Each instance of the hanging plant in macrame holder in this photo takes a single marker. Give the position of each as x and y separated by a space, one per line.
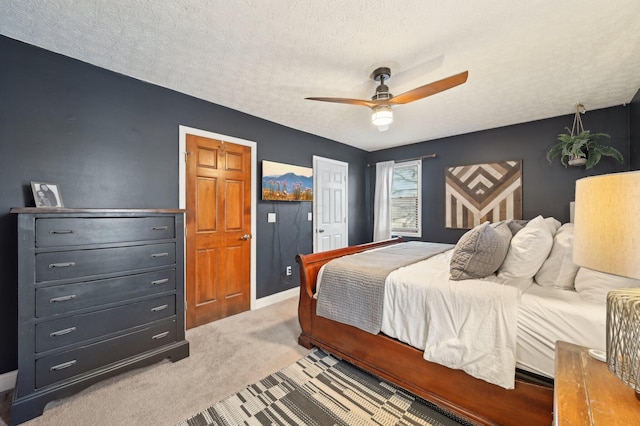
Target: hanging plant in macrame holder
579 147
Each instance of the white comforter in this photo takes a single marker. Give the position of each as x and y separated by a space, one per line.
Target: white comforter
469 325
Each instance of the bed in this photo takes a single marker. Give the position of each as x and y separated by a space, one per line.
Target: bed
546 313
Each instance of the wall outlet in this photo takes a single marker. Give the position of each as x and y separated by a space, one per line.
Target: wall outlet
271 217
288 270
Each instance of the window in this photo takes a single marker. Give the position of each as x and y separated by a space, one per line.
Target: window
406 199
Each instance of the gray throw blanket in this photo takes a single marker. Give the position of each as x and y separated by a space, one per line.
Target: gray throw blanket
352 287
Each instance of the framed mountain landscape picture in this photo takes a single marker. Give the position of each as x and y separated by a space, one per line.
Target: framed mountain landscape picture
286 182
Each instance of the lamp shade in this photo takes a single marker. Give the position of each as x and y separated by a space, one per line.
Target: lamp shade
382 115
607 224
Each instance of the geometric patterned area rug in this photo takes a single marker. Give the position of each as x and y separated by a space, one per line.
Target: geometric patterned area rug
320 390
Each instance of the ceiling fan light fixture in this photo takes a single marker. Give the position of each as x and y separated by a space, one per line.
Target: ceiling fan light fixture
382 115
382 100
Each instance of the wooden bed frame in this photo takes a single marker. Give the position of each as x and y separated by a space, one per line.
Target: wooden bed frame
474 399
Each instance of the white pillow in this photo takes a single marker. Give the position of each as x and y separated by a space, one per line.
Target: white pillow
558 270
527 251
594 286
552 224
549 223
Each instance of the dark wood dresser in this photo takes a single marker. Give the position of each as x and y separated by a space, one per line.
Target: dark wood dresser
101 291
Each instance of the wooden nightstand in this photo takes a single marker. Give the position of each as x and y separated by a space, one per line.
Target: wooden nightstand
587 393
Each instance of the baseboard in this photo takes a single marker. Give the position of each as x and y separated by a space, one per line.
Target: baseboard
278 297
8 380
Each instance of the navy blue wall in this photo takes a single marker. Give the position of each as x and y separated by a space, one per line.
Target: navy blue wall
547 188
111 141
634 132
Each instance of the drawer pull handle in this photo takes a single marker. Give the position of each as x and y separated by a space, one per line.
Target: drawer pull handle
62 298
160 254
63 365
160 228
160 336
61 231
159 308
62 265
158 282
62 332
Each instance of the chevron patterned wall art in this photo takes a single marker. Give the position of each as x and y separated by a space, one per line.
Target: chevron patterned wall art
483 192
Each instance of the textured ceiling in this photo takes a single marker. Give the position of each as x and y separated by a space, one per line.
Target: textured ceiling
527 60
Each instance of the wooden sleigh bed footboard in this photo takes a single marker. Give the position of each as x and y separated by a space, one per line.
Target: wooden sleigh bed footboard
403 365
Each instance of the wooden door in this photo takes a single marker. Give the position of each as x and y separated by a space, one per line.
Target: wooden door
218 257
330 179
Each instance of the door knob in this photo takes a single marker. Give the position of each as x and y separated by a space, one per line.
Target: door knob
320 231
246 237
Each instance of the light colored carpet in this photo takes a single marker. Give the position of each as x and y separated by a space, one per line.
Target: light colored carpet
225 356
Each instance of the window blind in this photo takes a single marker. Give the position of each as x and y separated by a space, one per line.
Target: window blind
406 199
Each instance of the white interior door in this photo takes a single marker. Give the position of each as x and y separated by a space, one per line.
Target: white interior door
330 215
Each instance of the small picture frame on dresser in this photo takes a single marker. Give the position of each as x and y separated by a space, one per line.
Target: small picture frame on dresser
46 194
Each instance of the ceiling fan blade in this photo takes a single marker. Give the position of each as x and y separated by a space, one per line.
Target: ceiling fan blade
360 102
429 89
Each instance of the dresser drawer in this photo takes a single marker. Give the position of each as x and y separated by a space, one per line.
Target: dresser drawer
67 331
79 231
83 263
62 366
71 297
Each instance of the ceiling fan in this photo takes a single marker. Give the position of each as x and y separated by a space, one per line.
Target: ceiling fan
382 100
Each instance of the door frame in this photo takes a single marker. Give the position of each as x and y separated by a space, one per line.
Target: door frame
182 183
315 159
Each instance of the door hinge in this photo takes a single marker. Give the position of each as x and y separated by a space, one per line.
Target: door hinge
187 154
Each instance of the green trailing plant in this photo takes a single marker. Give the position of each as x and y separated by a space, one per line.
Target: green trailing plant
582 145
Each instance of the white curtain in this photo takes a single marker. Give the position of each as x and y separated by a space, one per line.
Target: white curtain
382 201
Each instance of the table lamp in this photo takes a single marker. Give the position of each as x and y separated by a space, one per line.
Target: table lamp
607 239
